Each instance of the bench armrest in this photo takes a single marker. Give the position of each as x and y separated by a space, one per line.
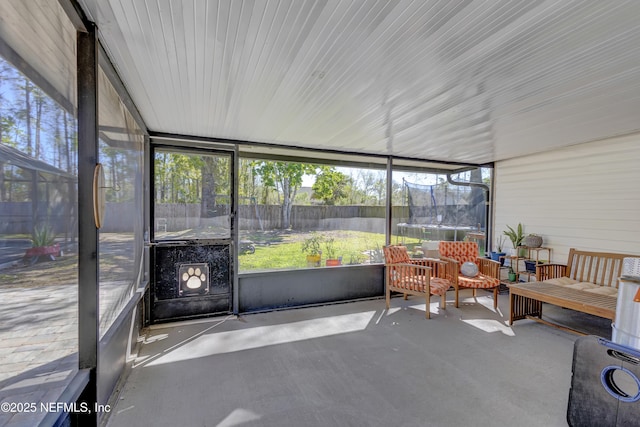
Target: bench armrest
550 271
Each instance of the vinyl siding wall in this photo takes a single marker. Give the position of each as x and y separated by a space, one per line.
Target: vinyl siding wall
585 196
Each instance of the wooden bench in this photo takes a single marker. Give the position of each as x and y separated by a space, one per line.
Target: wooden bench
587 283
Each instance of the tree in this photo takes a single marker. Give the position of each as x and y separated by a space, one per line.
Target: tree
26 113
330 186
215 173
285 177
40 100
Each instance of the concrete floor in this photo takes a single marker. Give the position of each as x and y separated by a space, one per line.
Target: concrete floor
356 364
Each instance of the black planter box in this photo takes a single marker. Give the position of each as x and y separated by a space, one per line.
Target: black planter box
530 265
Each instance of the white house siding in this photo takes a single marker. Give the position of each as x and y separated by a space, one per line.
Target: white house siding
585 196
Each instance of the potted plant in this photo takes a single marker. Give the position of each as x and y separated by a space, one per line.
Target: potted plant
512 275
332 259
42 239
376 255
496 255
516 236
311 246
355 259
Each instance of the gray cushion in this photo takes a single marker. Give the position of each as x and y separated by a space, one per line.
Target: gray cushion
469 269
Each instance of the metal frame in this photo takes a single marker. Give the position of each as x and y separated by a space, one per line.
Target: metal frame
305 158
232 152
88 255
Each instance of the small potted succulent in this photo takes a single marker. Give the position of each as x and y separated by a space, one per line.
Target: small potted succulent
512 275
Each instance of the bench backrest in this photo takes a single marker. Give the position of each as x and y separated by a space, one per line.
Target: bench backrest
600 268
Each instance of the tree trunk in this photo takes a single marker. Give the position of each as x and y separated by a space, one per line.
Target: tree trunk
39 99
27 107
66 142
286 203
3 191
58 141
208 200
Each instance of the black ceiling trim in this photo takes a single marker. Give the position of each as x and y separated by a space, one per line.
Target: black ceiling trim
201 139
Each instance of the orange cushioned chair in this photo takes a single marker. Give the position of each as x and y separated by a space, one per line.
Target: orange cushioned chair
488 277
422 277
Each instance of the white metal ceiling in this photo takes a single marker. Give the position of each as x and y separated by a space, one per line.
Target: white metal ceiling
463 81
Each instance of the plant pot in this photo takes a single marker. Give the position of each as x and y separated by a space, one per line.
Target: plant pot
42 253
333 262
495 256
44 250
532 241
530 265
313 260
512 277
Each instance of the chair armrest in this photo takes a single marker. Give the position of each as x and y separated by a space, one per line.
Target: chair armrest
550 271
452 270
402 271
451 261
438 267
489 267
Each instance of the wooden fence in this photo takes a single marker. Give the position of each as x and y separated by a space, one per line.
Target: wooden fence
16 218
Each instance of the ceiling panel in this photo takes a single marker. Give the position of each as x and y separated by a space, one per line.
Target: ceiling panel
460 81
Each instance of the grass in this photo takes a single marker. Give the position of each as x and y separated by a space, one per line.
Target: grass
284 250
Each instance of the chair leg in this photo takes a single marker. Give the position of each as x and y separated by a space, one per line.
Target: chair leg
388 297
495 298
406 296
457 297
443 301
428 306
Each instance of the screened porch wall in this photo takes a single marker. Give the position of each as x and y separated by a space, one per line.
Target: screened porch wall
585 196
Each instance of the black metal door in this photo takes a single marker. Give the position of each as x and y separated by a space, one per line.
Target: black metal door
192 269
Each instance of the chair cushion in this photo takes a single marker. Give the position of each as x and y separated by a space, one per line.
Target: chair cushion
396 254
437 286
479 282
561 281
569 283
460 251
582 286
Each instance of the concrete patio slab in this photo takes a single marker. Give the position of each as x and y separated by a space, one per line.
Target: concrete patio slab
356 364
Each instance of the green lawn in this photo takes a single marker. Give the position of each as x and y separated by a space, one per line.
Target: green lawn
355 247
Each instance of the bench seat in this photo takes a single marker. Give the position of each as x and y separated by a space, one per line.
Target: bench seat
526 300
